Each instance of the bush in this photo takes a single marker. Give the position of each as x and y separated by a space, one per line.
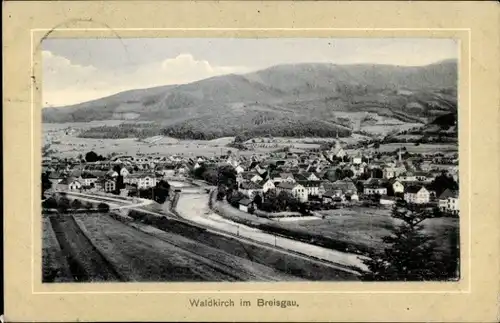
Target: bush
63 204
103 207
76 204
50 203
136 215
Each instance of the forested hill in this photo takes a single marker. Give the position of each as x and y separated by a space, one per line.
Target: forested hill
301 99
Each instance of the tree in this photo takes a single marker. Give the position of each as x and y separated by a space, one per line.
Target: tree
76 204
46 184
91 157
63 204
103 207
410 255
50 203
226 175
221 192
161 191
377 173
443 182
119 183
257 201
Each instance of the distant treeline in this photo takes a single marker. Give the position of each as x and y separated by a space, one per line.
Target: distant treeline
124 130
294 128
188 130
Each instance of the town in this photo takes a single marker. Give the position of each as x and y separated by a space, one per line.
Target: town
309 181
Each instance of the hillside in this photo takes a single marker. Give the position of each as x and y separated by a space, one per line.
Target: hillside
321 99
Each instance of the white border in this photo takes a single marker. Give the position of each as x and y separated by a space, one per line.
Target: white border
468 291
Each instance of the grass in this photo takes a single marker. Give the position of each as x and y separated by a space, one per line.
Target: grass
365 227
147 258
155 255
55 268
422 148
286 263
85 261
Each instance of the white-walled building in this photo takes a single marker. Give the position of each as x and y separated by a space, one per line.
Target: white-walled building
296 190
417 195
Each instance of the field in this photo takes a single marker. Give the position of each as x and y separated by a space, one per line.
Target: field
55 268
155 255
63 139
96 247
366 227
422 148
373 123
85 261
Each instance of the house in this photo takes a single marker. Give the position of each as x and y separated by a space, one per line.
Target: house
352 196
287 177
332 196
181 170
88 179
275 177
245 204
407 177
397 186
345 186
358 159
423 177
141 180
69 184
55 177
250 189
239 169
448 201
166 170
112 174
233 161
106 184
267 185
310 176
312 187
387 200
296 190
374 189
249 176
417 195
124 172
337 152
261 169
391 172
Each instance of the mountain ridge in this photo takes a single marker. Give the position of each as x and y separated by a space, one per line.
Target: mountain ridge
284 94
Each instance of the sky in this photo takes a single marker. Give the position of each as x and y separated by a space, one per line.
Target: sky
79 70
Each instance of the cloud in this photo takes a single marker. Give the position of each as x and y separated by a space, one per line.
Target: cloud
66 83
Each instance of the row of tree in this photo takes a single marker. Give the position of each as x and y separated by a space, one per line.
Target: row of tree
159 193
64 204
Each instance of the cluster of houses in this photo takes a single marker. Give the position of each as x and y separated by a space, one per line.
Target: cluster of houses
135 173
332 176
313 177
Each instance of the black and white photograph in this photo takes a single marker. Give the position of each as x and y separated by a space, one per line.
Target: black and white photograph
249 160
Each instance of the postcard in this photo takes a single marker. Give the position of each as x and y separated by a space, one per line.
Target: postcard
262 161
